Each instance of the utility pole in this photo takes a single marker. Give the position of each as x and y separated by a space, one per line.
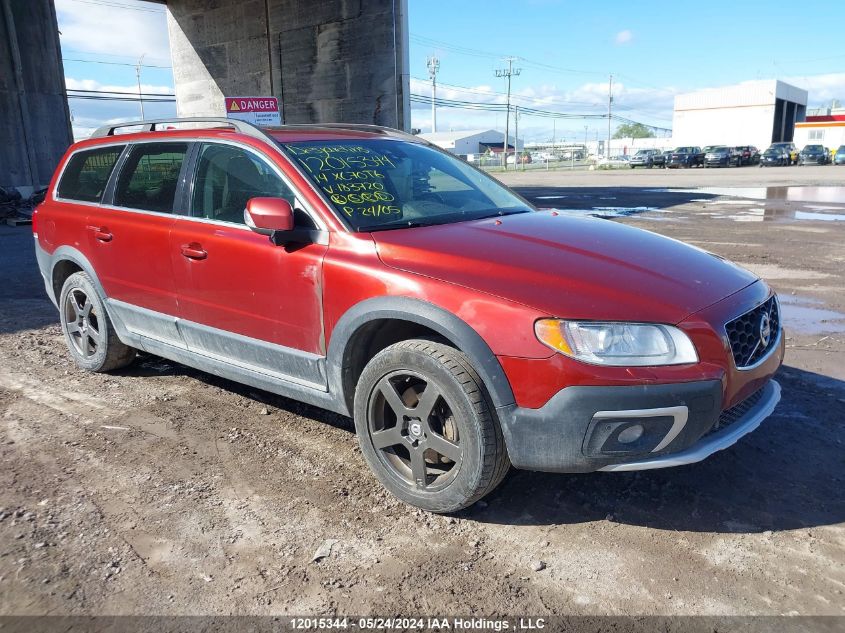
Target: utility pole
433 65
609 111
507 73
586 151
515 138
138 75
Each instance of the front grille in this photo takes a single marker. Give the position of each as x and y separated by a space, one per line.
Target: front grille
730 416
746 333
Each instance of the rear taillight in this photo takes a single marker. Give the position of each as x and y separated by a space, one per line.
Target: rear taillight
35 221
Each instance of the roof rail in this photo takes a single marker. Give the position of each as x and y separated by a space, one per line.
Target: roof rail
242 127
369 127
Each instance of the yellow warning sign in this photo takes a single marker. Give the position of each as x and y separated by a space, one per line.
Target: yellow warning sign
233 106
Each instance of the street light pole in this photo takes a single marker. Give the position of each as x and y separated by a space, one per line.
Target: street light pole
433 65
138 76
609 112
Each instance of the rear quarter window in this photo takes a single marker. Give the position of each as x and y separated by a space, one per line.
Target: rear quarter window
87 173
149 177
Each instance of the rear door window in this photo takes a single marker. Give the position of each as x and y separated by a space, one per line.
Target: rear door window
87 174
150 176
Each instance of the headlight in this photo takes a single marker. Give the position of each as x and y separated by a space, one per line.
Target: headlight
617 344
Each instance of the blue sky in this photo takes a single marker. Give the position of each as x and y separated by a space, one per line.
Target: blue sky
567 49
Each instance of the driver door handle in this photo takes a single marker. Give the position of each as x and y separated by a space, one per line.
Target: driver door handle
193 251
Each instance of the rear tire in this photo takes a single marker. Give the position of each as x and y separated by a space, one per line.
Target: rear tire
426 428
88 330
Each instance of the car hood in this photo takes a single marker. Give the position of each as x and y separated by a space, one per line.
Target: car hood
565 266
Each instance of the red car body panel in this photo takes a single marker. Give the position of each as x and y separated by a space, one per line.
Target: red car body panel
247 286
568 267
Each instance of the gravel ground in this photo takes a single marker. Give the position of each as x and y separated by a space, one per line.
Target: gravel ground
163 490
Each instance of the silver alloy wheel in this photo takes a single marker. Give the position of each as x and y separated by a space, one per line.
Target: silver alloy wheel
83 324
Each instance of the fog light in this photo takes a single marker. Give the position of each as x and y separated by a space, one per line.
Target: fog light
631 434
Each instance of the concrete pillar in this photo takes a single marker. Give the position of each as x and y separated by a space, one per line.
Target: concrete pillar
35 122
325 60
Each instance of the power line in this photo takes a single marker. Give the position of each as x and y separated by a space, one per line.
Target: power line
99 54
535 112
99 61
121 92
102 98
474 52
118 5
493 93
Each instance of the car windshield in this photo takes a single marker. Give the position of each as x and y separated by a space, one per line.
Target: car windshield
813 148
841 148
379 184
718 149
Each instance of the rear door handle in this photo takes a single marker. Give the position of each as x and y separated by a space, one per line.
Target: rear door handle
193 251
101 233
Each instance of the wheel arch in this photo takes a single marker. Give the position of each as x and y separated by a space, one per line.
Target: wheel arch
354 341
65 261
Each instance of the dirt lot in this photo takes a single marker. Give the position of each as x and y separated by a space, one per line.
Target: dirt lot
163 490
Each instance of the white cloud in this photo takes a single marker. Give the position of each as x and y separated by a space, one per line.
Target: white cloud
623 37
821 88
107 30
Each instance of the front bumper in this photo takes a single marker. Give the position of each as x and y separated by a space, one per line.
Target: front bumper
581 429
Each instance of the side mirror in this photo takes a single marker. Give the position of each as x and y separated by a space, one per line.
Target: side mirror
268 215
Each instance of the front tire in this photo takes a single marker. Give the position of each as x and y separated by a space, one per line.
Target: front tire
88 331
426 428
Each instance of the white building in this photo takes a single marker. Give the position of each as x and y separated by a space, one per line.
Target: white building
751 113
472 142
826 129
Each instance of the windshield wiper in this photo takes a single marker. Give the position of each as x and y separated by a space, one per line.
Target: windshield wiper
448 219
500 213
405 224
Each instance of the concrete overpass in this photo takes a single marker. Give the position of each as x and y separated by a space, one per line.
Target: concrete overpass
325 60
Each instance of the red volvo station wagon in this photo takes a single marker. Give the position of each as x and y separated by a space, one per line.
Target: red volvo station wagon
362 270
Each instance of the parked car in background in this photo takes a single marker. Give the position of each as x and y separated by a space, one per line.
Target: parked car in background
749 155
689 156
722 156
709 148
775 155
461 328
813 154
647 158
524 158
839 156
667 154
791 150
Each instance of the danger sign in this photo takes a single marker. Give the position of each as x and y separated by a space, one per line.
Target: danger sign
255 110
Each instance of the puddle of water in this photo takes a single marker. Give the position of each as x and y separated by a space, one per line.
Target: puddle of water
611 212
801 315
828 217
832 194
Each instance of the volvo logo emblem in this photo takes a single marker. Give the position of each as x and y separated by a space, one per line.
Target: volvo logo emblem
765 329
